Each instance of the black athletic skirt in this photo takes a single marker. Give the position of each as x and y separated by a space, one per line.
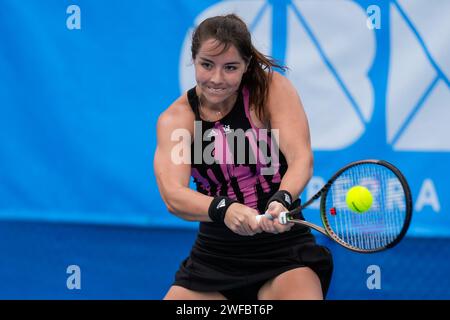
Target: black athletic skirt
237 266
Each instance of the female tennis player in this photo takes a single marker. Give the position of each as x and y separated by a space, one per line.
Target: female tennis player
234 256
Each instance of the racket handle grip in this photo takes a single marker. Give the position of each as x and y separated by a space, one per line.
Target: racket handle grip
267 215
282 218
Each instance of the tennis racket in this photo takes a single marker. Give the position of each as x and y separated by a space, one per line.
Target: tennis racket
381 227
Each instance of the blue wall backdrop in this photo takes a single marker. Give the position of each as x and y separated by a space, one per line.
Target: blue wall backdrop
82 84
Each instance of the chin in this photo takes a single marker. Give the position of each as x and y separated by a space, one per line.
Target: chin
213 98
216 98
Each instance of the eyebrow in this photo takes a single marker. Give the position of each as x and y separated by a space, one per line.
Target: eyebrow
210 61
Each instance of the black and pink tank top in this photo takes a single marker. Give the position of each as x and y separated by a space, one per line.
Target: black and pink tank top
232 157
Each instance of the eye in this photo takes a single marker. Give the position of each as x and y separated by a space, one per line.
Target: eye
206 65
230 68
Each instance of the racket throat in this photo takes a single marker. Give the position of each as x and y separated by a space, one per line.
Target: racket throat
317 228
296 217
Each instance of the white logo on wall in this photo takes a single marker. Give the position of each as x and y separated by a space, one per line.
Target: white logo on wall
418 93
330 51
319 65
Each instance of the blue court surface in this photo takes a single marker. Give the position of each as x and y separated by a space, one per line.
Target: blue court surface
119 262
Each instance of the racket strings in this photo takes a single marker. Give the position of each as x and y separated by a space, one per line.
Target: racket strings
382 223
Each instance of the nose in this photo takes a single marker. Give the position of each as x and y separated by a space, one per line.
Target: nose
216 76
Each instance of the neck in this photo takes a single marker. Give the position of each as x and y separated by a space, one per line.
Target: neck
216 111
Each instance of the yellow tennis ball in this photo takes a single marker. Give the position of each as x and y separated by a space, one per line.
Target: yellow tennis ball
359 199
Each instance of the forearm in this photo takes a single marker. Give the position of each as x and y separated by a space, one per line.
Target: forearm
297 176
189 204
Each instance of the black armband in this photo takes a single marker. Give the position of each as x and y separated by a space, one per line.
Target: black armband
283 197
218 208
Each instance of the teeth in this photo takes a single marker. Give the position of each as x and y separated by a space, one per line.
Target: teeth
215 90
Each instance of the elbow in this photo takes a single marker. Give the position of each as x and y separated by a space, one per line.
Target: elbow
172 195
179 214
170 205
174 209
167 196
170 208
167 201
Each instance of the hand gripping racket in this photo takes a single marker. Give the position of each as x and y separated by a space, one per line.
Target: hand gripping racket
379 228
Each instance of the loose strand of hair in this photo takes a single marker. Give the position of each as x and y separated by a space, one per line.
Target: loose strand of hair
258 77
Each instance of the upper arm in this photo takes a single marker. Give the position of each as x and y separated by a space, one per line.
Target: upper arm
172 156
286 114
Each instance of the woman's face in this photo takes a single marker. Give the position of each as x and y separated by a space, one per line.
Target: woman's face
218 75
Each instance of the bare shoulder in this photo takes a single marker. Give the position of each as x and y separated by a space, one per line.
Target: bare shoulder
280 85
282 94
178 115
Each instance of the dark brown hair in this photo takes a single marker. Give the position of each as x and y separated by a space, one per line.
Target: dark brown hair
232 30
